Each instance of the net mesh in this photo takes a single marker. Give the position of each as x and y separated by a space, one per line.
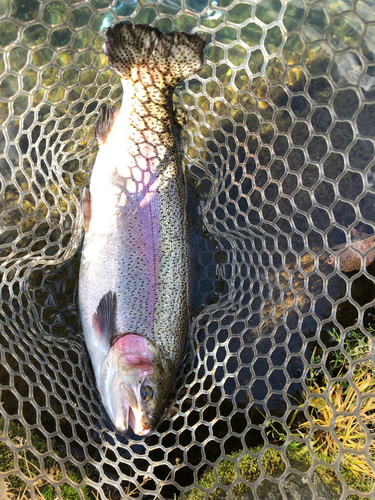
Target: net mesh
276 398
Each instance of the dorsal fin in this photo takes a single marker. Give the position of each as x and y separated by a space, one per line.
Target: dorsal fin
104 123
104 319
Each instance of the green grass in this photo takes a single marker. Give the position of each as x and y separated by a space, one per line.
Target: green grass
356 345
354 468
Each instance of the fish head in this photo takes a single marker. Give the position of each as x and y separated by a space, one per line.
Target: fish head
135 382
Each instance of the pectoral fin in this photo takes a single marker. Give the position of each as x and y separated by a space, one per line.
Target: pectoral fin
104 319
86 208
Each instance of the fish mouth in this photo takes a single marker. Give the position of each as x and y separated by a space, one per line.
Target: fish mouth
135 423
131 416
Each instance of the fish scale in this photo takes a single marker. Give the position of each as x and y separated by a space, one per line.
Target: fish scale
134 275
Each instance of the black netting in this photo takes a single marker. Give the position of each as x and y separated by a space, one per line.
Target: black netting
277 397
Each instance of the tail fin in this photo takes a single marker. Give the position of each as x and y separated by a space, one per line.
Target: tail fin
171 56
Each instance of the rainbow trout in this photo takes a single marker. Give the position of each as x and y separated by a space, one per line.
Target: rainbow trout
134 275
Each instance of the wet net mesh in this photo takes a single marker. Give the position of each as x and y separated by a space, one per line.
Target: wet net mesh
276 398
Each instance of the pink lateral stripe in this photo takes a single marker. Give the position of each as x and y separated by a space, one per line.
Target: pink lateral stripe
149 238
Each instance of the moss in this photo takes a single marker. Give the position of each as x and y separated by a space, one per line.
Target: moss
195 494
328 477
299 457
49 492
274 465
362 484
6 458
16 430
273 462
7 464
71 493
227 474
249 468
6 454
30 466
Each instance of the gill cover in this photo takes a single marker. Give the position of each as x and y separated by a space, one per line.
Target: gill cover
135 382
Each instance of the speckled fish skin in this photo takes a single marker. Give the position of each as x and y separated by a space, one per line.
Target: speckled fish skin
134 275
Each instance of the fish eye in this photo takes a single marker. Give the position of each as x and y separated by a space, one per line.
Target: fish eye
147 393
